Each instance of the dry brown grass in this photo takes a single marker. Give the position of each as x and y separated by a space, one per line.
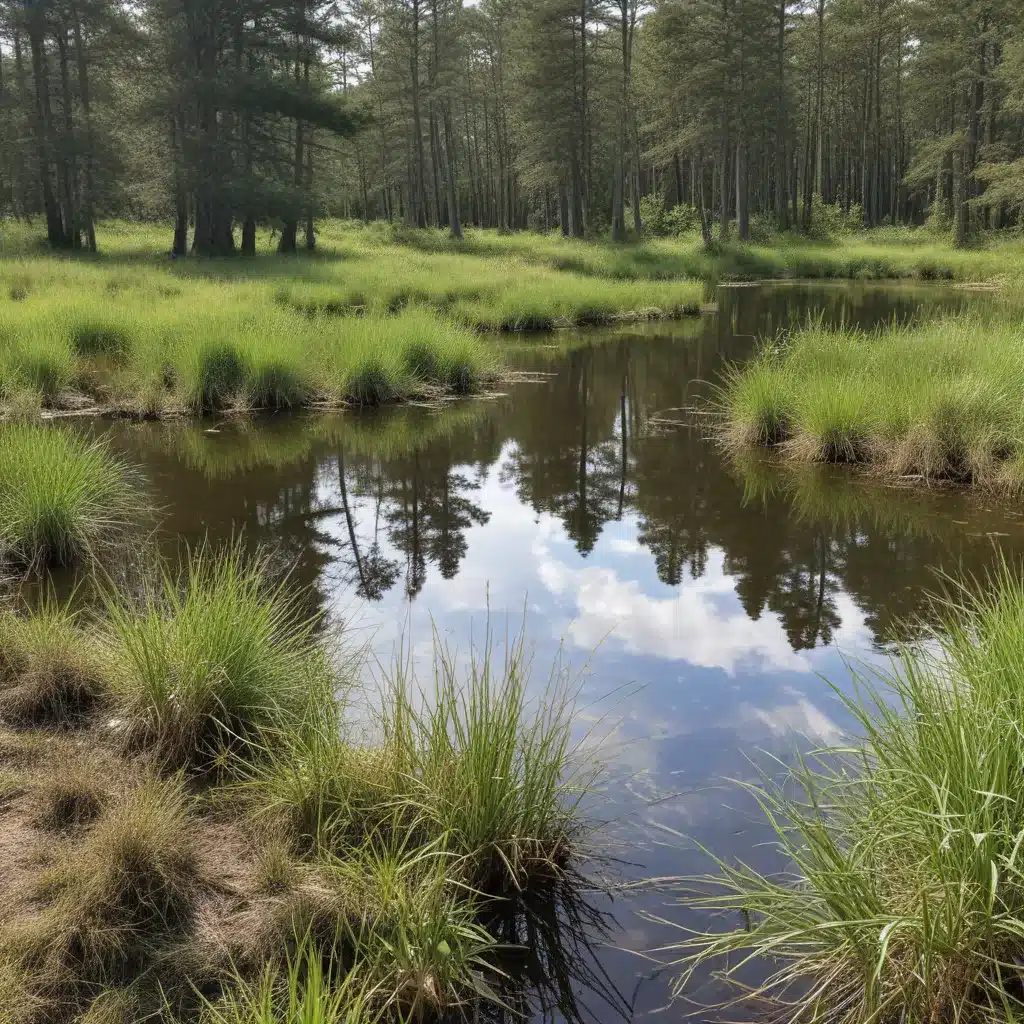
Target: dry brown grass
117 897
51 670
74 791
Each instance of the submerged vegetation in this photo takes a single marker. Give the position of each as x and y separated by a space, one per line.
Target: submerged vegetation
198 740
902 893
938 400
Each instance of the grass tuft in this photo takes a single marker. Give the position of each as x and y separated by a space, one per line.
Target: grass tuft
63 497
73 796
51 669
117 897
212 659
308 993
470 763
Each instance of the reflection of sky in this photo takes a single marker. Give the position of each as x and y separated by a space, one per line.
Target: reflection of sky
700 692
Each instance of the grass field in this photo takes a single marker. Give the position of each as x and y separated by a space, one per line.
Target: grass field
376 315
902 894
367 320
204 831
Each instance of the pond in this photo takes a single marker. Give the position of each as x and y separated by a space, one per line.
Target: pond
703 600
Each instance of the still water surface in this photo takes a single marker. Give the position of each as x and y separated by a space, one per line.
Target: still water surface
706 599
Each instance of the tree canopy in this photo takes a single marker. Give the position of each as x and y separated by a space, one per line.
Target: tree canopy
583 115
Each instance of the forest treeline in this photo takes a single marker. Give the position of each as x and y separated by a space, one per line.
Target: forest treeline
588 116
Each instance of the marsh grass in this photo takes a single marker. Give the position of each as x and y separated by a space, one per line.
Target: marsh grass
308 993
389 912
903 890
213 657
219 810
491 768
473 763
64 497
938 400
74 794
52 669
116 898
229 346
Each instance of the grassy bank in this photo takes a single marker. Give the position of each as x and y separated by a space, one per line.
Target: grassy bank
902 894
221 347
194 825
880 254
937 401
366 320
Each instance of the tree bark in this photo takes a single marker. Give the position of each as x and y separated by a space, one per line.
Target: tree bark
55 232
88 213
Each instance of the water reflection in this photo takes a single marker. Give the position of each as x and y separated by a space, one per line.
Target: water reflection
723 587
378 504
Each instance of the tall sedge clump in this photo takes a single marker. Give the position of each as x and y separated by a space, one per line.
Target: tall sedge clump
214 658
903 889
479 766
490 767
64 497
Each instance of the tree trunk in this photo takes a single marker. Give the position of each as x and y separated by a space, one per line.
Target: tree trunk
723 199
742 212
419 167
67 173
705 219
454 223
288 242
40 73
310 226
87 214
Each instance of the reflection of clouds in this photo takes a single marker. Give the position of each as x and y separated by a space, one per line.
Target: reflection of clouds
799 716
702 624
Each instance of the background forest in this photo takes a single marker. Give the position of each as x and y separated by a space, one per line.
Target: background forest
592 116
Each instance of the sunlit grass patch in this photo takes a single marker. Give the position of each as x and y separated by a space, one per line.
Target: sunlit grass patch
211 660
939 400
63 497
305 992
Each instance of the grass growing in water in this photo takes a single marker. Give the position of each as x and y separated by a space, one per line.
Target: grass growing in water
473 764
904 890
939 400
63 497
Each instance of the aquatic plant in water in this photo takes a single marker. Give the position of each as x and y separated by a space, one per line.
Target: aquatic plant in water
903 892
934 401
64 497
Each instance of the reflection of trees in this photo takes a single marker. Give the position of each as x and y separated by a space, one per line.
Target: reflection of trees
425 501
393 496
376 573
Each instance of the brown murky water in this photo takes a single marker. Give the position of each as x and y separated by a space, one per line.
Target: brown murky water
706 598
